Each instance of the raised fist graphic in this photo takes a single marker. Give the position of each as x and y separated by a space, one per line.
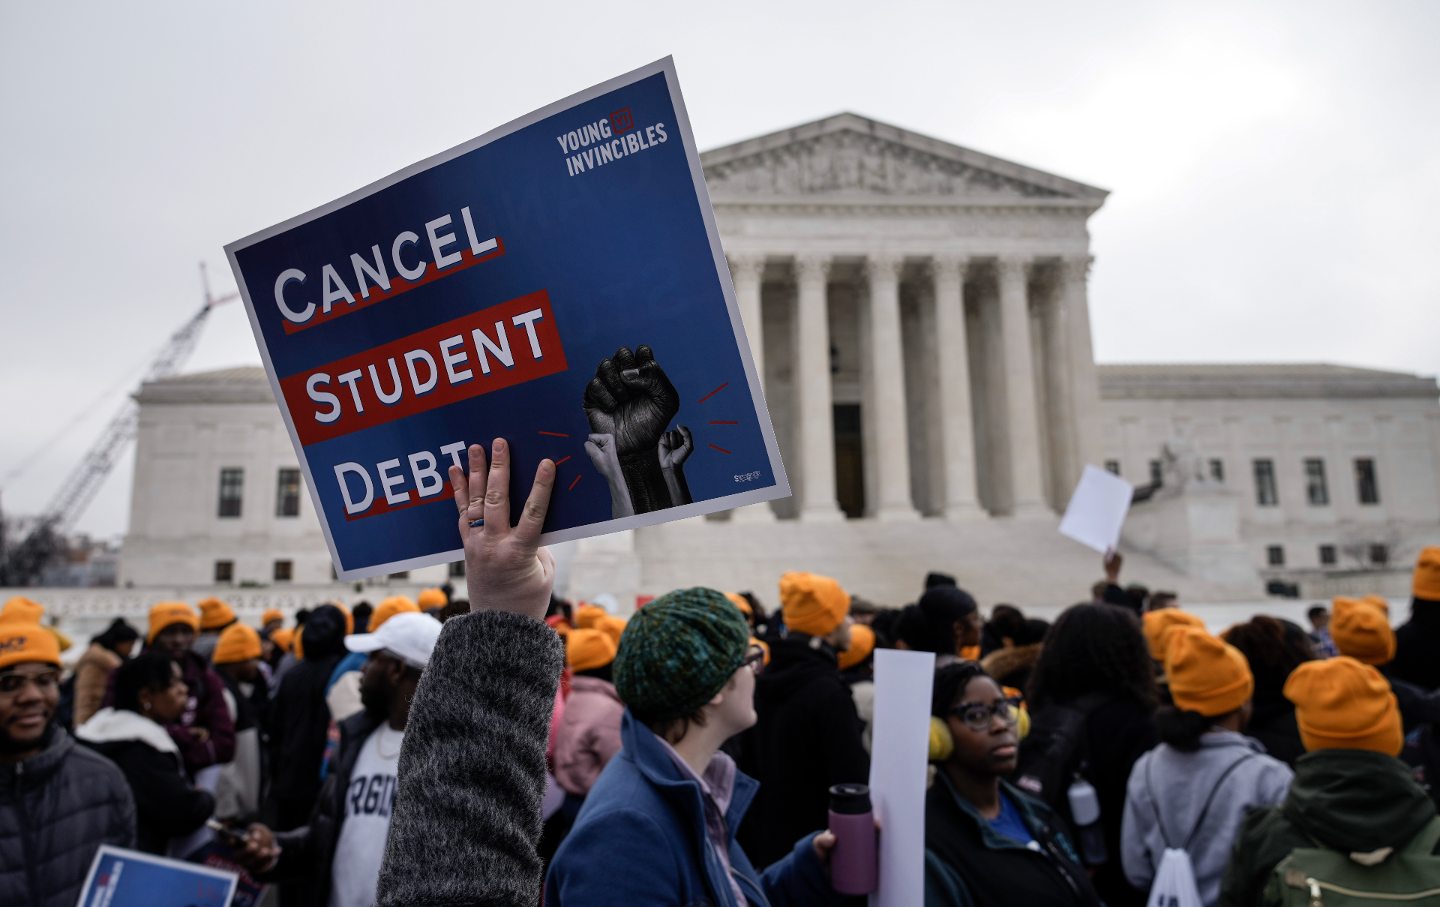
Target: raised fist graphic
631 398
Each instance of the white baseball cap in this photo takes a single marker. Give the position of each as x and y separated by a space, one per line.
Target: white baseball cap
410 637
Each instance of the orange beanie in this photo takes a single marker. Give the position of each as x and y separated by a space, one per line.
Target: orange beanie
739 601
613 627
433 597
812 604
1427 574
168 614
588 617
1341 704
215 614
284 638
395 604
237 643
764 648
862 643
1361 631
1378 601
588 649
1206 674
21 610
349 618
1158 624
23 643
270 616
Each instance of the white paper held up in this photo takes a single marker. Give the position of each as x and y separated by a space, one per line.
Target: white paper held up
901 734
1097 509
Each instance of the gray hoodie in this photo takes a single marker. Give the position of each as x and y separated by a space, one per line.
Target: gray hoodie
1178 789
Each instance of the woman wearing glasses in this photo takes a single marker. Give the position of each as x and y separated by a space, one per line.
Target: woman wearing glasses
985 841
659 825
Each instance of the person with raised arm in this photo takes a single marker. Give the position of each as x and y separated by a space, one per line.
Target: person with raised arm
466 821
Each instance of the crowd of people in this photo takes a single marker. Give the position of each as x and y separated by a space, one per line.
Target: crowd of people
514 748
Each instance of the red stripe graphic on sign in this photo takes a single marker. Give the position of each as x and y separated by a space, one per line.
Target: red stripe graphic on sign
398 285
485 351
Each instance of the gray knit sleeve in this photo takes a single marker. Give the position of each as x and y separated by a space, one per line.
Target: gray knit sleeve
466 819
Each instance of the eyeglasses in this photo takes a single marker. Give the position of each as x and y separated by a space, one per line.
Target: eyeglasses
978 716
11 683
754 659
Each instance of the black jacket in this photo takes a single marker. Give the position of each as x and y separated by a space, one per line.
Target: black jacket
968 864
299 727
1415 646
807 737
56 809
166 806
308 852
1346 800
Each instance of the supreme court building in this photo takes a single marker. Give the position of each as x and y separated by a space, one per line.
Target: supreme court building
919 314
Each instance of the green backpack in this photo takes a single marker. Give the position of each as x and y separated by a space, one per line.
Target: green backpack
1320 877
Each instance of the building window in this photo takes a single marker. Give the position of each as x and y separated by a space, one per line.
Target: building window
1217 470
224 571
1317 493
1380 555
1367 490
287 493
284 571
402 575
457 569
1275 555
1266 494
232 486
1157 473
1112 467
1327 555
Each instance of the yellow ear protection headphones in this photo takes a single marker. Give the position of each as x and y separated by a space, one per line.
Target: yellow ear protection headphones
942 744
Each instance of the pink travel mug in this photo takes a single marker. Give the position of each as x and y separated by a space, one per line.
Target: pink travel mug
853 862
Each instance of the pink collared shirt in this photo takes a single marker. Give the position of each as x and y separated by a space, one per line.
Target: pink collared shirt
717 785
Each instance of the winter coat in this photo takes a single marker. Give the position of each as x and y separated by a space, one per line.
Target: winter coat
92 675
641 839
807 738
969 864
1353 801
1118 731
56 809
1415 646
589 733
308 852
205 708
1178 799
237 791
166 805
299 727
466 821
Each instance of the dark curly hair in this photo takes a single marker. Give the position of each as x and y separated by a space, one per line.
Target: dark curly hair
1093 649
950 682
149 671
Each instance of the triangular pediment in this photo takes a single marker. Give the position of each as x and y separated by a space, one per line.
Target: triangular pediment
852 157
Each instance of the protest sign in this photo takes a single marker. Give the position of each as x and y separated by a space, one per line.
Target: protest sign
1097 509
557 282
903 682
128 878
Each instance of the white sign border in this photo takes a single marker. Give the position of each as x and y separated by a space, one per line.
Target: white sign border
781 488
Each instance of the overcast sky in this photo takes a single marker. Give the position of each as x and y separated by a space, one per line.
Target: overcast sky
1274 168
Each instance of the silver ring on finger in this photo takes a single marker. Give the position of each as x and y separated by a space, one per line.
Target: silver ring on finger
477 524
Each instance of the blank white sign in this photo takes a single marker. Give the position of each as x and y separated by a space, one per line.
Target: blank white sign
1097 509
901 735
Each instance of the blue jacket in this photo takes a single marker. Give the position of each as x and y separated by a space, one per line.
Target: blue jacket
640 840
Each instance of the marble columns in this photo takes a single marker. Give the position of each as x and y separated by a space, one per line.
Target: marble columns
747 271
1021 419
888 453
957 441
814 408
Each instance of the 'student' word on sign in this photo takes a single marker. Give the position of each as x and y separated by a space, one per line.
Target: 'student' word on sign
557 282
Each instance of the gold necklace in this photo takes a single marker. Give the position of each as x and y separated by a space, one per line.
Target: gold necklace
381 752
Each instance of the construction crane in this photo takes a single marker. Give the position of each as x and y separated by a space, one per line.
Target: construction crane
23 564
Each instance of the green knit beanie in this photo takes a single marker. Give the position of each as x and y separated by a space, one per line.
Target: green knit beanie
678 651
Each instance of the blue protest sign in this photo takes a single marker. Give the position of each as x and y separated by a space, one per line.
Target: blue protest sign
557 282
128 878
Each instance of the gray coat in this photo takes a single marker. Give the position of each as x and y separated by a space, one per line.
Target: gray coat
466 820
56 809
1174 787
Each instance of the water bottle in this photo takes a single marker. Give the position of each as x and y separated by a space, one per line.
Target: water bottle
1085 811
853 862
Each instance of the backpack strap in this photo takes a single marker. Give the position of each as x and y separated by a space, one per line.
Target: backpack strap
1219 783
1423 844
1155 805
